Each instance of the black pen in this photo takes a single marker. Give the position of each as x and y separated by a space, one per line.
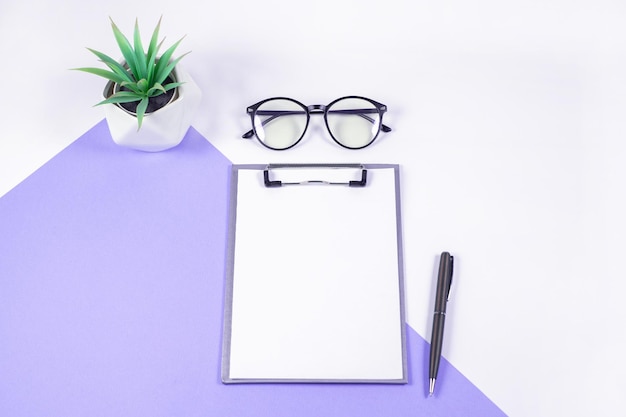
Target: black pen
444 281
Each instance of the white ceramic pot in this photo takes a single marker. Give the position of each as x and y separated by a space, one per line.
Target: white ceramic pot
162 129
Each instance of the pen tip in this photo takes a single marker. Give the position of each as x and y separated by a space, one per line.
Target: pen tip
431 389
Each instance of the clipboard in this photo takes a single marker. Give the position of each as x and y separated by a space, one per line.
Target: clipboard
314 277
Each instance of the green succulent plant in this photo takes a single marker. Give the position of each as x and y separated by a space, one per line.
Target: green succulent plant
143 74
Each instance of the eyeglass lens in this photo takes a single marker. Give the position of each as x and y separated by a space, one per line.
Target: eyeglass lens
280 123
352 122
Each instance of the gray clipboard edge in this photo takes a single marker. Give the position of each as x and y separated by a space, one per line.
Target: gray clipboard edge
228 290
400 248
229 275
233 381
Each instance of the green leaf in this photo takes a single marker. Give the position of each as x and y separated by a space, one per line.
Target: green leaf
132 86
141 110
160 44
121 97
153 49
162 70
170 86
153 67
156 89
142 85
170 67
154 45
103 73
126 49
113 64
140 55
150 69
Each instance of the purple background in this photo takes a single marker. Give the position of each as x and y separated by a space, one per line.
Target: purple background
111 290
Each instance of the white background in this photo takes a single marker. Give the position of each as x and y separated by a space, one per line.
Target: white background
508 122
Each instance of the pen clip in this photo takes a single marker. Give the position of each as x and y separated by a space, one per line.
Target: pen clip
450 271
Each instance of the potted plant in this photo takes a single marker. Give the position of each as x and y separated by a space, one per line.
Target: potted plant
149 99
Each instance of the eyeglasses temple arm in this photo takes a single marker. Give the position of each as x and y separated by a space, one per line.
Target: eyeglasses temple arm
273 115
362 113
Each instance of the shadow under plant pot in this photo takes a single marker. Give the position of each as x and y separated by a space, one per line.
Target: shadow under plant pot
166 121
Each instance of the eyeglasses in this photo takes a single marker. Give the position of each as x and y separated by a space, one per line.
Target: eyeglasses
353 122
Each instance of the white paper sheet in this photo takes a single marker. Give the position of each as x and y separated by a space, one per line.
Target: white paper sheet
316 284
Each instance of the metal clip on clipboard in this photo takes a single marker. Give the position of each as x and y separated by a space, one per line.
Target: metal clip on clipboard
351 183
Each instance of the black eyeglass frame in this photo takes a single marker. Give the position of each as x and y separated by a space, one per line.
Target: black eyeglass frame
315 109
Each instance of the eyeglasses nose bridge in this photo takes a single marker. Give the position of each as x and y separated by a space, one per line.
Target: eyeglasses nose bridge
316 109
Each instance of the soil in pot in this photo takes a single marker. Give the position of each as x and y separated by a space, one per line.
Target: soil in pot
154 103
